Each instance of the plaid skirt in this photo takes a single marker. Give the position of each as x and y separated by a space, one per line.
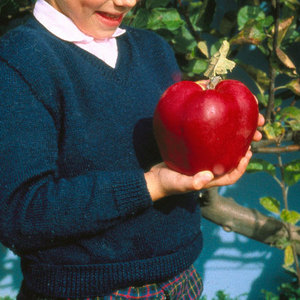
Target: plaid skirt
185 286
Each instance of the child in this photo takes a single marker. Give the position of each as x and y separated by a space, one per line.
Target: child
80 170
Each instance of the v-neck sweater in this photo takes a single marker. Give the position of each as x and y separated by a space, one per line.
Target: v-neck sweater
76 138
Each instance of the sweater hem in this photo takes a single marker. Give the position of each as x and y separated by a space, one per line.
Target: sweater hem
100 280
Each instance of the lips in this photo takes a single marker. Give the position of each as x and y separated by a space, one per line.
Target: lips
110 19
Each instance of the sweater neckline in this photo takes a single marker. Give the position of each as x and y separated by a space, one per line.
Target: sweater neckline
123 65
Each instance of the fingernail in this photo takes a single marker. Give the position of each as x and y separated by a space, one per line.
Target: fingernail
208 175
202 179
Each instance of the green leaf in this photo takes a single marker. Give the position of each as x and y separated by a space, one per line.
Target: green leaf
196 66
252 33
283 28
282 242
141 18
290 216
270 204
293 36
288 256
291 112
294 86
292 172
248 13
263 99
290 290
164 18
273 130
286 61
183 41
267 21
294 124
269 295
260 165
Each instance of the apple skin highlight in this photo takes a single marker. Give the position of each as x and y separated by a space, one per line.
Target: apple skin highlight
199 130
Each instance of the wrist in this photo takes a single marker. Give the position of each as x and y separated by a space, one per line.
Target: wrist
153 186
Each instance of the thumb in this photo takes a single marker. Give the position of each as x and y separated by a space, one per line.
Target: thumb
201 179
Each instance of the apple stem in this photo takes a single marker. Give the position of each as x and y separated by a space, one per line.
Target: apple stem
213 82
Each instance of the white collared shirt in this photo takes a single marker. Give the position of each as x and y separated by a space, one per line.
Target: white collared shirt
63 27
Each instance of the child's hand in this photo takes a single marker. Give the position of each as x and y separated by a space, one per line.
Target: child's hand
162 181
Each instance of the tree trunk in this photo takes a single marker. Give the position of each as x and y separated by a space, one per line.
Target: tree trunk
246 221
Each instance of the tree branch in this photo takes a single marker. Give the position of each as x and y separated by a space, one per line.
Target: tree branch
290 148
182 11
272 58
249 222
263 146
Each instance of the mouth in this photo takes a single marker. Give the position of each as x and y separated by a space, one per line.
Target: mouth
110 19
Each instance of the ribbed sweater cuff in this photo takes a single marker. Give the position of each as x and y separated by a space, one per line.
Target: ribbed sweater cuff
130 192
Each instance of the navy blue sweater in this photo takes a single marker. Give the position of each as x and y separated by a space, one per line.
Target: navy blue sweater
76 138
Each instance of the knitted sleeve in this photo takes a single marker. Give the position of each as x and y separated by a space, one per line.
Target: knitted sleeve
37 208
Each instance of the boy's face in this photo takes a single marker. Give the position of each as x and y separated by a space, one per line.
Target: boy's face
96 18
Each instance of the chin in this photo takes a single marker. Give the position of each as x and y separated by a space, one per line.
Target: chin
102 35
98 34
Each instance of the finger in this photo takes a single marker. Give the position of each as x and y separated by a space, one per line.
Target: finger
261 120
244 161
174 182
201 179
241 168
182 183
257 136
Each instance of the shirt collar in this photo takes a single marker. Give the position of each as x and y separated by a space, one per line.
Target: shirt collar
62 26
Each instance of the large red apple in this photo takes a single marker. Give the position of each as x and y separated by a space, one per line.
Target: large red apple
200 129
